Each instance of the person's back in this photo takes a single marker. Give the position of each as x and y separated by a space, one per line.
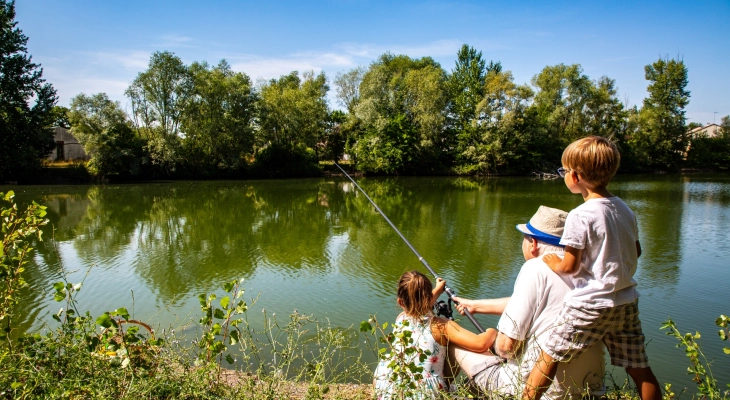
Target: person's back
607 232
421 339
538 288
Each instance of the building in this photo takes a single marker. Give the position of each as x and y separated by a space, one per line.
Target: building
709 130
67 146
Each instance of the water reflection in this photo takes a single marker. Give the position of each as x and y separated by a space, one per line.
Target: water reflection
658 204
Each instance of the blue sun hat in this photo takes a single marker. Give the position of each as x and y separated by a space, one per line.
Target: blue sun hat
546 225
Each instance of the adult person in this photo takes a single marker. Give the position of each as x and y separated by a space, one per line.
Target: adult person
526 321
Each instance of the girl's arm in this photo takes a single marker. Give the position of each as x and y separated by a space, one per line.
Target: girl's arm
447 332
568 265
437 290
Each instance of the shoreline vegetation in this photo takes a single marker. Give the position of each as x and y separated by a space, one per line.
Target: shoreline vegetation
221 355
397 116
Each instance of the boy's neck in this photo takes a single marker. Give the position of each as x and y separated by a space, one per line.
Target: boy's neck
600 192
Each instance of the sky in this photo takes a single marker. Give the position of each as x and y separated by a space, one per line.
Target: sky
100 46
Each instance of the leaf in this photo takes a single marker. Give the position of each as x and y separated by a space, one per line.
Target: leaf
122 312
218 313
228 286
105 320
365 326
229 359
234 337
225 301
726 350
58 286
59 296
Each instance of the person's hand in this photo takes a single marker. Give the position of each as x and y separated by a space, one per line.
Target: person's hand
463 305
440 286
552 260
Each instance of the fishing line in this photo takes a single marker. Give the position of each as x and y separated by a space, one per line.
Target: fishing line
447 289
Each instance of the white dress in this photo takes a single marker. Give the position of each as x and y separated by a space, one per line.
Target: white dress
388 385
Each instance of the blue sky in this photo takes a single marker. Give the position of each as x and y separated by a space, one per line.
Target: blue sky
100 46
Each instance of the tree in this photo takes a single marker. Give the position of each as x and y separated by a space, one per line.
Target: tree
347 87
293 110
91 117
466 86
104 130
218 119
403 112
159 96
725 127
25 134
661 140
506 139
562 94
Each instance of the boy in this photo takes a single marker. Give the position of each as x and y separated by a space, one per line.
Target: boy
601 254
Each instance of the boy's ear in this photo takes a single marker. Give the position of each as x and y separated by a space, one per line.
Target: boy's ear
575 176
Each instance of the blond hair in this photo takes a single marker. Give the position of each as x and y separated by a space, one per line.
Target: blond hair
414 292
595 158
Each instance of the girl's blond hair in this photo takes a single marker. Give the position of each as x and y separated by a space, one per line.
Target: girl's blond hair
414 292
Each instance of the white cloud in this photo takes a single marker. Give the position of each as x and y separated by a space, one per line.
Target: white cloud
134 60
174 41
440 48
273 67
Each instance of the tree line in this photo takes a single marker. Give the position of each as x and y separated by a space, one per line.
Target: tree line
399 115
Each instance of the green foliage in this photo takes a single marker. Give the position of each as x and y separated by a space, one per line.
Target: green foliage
282 160
102 127
661 138
159 96
293 110
218 120
347 88
26 103
700 368
18 229
402 107
331 145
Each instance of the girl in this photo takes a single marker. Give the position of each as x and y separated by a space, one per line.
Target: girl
421 340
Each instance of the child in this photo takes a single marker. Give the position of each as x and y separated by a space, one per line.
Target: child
601 253
430 335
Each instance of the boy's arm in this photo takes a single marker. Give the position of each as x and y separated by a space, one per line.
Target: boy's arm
568 265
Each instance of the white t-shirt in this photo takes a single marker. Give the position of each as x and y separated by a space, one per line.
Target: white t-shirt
607 231
530 315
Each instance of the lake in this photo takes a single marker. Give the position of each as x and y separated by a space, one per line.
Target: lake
318 246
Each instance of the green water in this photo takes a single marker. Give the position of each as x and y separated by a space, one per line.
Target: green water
317 246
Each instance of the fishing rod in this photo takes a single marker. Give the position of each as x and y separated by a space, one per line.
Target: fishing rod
447 289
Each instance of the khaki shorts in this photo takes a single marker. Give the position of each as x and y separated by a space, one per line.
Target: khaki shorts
618 327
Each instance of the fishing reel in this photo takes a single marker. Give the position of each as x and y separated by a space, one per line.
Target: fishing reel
443 309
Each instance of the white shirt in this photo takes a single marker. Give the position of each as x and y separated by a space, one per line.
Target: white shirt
607 231
530 315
